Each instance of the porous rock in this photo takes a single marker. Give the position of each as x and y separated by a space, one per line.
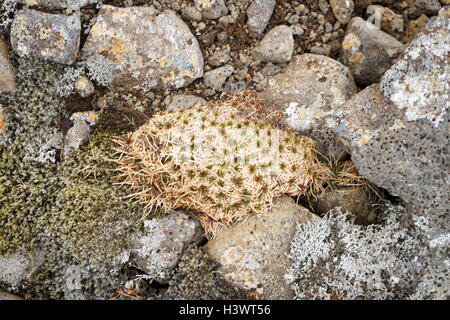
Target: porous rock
7 81
53 37
397 132
211 9
253 253
368 51
309 90
277 45
147 50
259 13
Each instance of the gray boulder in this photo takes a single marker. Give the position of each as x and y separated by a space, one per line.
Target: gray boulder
53 37
144 49
342 9
253 253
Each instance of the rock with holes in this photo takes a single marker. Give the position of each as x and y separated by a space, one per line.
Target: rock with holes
277 45
397 132
53 37
258 14
7 77
342 9
147 50
211 9
368 51
309 90
253 253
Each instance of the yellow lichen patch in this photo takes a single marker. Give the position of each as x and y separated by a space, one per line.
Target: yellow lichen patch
119 48
224 161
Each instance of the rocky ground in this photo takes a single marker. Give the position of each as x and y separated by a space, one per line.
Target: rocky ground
367 80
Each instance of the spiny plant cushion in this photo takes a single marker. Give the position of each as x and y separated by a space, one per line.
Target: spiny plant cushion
224 161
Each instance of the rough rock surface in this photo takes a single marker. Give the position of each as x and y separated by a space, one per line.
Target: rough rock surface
368 51
342 9
146 50
216 78
53 37
211 9
259 13
397 132
7 82
58 4
277 45
309 91
184 101
159 248
253 253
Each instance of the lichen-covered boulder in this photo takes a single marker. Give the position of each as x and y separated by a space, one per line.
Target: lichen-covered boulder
309 91
397 132
368 51
53 37
7 82
253 253
145 50
2 120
